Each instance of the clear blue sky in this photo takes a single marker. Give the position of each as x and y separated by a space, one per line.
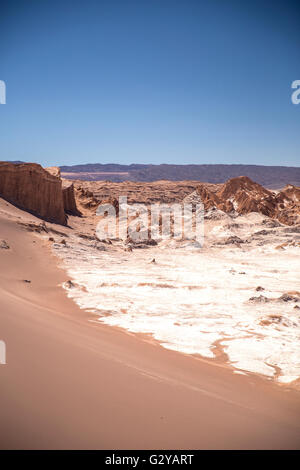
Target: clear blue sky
150 81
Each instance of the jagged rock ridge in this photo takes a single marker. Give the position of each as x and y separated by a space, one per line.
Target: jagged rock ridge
242 195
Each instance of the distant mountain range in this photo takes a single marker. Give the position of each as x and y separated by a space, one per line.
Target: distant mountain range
269 176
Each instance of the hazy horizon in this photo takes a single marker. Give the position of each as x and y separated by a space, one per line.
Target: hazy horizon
153 164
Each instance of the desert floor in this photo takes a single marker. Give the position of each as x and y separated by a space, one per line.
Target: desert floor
71 383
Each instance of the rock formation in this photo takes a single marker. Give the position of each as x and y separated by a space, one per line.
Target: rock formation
86 199
111 201
288 205
53 170
68 192
242 195
32 188
69 198
145 193
38 190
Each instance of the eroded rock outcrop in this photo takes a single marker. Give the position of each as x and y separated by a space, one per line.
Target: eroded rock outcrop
68 192
32 188
69 198
53 170
112 202
242 195
288 205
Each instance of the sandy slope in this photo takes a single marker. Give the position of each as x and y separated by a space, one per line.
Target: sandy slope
69 383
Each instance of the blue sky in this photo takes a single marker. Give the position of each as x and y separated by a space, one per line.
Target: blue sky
154 81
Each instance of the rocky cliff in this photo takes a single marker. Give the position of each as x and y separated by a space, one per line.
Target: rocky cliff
69 198
32 188
68 192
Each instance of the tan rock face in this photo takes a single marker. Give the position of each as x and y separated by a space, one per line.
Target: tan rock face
85 200
32 188
244 196
67 191
111 201
53 170
288 205
70 206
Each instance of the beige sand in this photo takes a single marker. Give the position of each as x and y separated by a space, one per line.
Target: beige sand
70 383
